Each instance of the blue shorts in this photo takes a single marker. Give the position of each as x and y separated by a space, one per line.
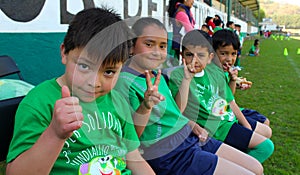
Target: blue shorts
187 158
239 137
252 122
250 113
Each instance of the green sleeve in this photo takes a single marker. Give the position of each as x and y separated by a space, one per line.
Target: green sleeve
131 139
175 80
252 49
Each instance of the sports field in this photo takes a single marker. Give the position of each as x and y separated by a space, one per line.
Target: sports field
275 92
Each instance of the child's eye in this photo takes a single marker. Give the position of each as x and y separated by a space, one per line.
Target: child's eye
148 44
83 66
188 54
200 55
163 46
109 73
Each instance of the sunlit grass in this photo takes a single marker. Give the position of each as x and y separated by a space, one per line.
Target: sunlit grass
276 94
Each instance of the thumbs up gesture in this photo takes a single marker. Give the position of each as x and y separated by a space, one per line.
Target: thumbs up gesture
67 115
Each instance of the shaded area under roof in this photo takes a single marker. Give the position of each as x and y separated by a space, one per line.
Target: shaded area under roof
251 4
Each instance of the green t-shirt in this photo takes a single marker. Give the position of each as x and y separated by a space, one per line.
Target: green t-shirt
217 28
165 118
230 96
206 100
101 144
252 49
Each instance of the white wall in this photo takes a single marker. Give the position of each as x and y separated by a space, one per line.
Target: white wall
50 17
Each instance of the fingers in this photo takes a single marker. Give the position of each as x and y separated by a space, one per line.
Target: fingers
148 80
65 92
156 97
193 62
203 135
189 67
157 80
184 62
74 125
67 98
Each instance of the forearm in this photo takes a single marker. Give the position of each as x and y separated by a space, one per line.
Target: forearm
232 85
239 115
137 164
141 118
40 158
182 95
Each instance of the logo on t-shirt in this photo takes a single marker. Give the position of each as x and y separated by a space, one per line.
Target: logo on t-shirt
105 165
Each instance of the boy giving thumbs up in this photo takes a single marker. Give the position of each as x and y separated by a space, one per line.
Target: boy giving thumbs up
76 123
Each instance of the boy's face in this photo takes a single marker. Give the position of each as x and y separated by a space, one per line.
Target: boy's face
227 56
205 29
150 49
200 54
84 77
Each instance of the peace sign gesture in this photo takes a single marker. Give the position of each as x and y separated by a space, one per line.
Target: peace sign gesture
189 70
151 95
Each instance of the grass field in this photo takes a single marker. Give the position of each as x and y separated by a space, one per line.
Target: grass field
275 93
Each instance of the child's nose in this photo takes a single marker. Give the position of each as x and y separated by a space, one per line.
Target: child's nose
156 50
95 81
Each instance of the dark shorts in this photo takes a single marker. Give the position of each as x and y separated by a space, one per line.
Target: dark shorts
187 158
252 122
239 137
250 113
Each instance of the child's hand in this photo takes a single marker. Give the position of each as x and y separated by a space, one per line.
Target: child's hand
245 86
233 73
67 115
152 96
199 131
243 83
189 70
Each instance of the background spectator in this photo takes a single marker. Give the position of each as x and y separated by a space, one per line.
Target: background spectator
211 25
181 18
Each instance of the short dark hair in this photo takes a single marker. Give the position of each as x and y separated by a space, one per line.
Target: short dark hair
207 19
217 22
205 25
196 38
229 23
237 25
256 41
225 37
101 32
139 26
218 17
172 7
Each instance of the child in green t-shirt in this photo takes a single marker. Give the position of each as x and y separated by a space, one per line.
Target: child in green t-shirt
254 50
200 89
170 142
222 41
76 123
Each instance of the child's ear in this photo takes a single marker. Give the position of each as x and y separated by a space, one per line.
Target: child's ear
211 56
131 50
62 54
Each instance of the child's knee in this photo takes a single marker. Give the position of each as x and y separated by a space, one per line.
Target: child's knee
267 122
262 151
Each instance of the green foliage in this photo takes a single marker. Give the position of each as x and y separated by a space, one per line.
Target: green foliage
261 14
275 93
282 14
